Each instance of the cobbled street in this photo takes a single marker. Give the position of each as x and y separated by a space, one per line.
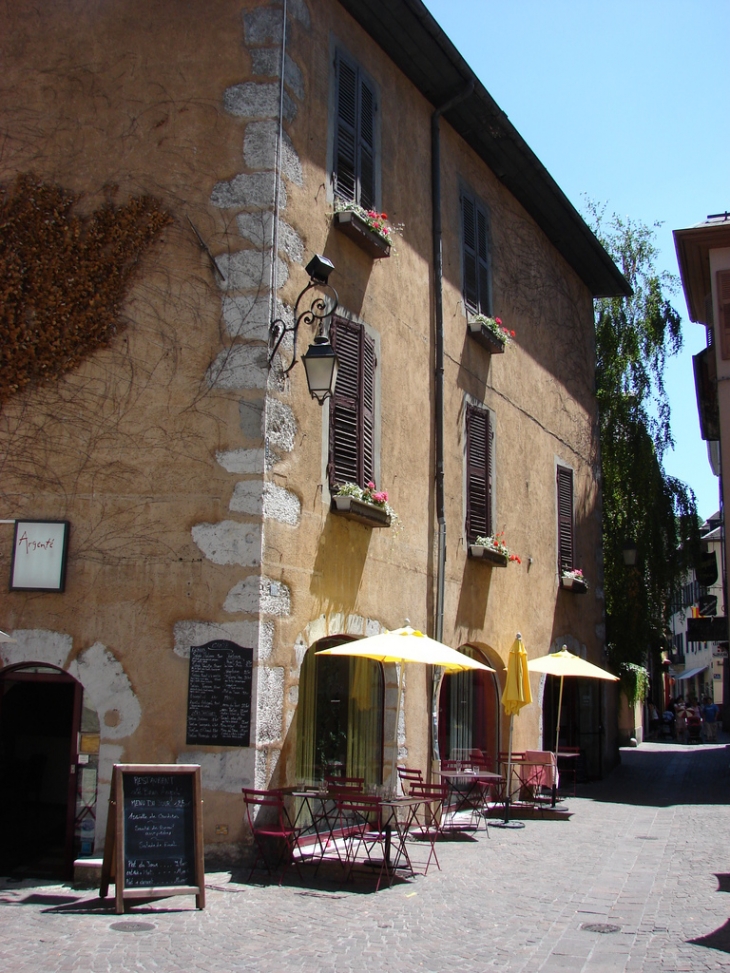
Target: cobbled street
643 859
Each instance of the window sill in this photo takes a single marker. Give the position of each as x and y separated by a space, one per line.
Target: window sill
353 227
484 337
361 512
573 584
487 554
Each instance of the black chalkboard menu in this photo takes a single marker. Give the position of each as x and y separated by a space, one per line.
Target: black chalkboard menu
219 695
154 842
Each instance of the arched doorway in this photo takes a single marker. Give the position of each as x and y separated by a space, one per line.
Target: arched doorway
340 716
469 711
40 720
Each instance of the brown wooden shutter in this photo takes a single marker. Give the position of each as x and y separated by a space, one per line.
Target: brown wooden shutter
477 286
366 145
368 408
478 474
354 158
723 300
471 284
352 408
565 519
485 303
346 132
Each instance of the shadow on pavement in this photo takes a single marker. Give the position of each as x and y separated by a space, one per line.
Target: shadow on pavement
658 775
719 939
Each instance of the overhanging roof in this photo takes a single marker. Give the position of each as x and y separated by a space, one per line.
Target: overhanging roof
413 40
693 247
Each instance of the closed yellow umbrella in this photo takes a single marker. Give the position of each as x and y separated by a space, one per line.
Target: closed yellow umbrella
516 694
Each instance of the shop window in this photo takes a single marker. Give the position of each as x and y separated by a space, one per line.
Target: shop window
478 473
340 717
476 257
352 448
354 171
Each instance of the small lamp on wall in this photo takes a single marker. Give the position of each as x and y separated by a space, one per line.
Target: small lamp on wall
320 361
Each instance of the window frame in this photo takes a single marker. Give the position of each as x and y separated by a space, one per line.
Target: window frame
364 89
473 466
476 254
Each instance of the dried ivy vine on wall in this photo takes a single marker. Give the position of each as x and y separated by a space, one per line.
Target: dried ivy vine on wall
64 276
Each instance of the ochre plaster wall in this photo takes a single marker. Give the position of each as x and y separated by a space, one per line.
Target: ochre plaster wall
164 471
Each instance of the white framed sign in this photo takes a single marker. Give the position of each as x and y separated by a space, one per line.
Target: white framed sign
39 555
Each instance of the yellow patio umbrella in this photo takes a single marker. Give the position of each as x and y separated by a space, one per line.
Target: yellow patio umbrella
516 694
562 664
406 645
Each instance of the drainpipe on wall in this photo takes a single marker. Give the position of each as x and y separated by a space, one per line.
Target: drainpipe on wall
439 388
277 173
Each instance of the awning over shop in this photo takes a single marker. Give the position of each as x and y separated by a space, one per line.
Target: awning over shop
691 672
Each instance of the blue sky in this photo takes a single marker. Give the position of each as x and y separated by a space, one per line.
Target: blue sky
625 101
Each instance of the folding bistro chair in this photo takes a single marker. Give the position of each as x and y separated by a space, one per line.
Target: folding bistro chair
270 824
434 797
360 829
408 776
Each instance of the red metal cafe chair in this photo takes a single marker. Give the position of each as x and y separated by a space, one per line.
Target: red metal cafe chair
430 826
408 776
270 824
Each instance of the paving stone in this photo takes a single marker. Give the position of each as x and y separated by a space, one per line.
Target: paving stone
513 902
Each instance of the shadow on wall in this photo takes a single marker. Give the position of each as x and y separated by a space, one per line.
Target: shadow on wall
339 565
471 611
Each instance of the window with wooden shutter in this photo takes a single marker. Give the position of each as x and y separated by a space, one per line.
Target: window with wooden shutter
565 519
352 407
478 474
476 260
354 151
723 301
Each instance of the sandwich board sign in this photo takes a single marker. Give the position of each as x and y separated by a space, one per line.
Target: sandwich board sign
154 833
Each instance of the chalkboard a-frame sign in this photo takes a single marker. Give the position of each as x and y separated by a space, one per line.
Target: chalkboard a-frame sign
154 833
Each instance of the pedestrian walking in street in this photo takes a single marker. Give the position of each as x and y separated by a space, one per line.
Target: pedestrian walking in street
680 719
709 715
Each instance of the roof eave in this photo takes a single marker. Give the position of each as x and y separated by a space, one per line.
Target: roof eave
412 38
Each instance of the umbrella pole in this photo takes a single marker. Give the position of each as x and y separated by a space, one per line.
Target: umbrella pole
393 784
557 740
509 771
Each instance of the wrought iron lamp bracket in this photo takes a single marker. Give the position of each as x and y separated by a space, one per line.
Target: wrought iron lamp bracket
322 305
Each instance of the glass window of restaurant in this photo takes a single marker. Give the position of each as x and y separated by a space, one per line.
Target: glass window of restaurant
340 716
469 711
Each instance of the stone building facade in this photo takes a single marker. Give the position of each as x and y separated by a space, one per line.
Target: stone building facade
196 478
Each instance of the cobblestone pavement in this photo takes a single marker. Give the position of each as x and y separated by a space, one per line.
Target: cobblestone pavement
644 853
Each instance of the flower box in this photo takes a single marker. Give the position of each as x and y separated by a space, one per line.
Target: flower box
369 514
357 230
486 338
575 585
488 554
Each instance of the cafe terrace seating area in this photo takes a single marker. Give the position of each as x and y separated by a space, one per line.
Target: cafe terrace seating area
357 831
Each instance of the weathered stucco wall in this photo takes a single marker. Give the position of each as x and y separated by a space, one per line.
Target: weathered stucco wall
193 478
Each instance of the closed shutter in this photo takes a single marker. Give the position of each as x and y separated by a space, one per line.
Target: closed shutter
565 519
478 474
723 300
354 156
352 407
471 286
477 281
346 135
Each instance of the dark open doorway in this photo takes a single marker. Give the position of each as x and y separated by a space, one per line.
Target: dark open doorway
40 709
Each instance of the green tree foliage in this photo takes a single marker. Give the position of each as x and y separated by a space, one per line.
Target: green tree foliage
641 502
